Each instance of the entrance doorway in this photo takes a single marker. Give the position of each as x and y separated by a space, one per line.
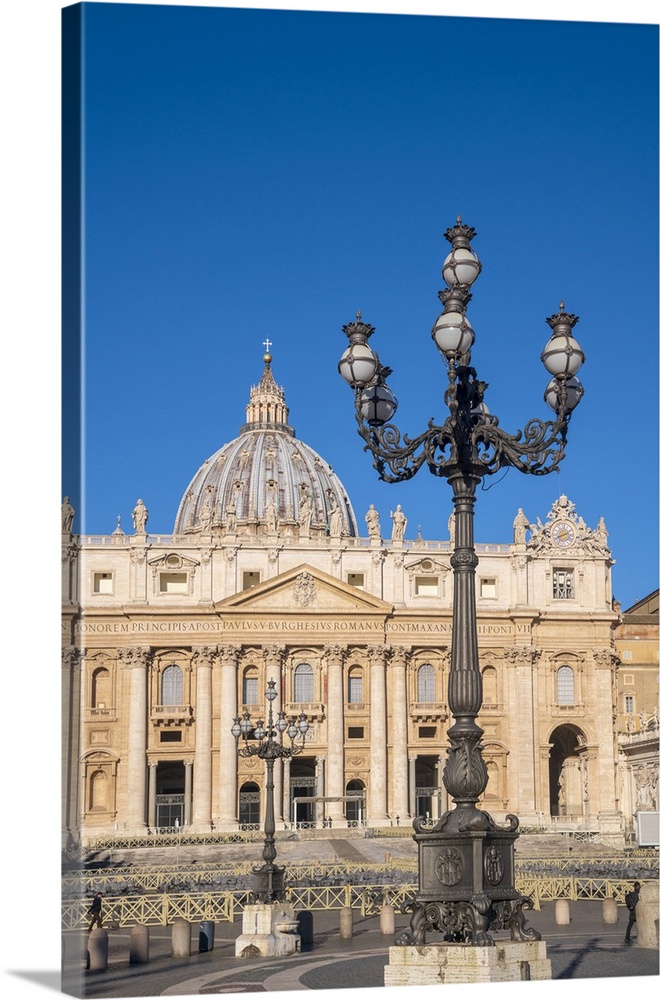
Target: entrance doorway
170 788
567 778
302 785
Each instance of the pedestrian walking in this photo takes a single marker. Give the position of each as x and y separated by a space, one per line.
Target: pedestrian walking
632 899
95 912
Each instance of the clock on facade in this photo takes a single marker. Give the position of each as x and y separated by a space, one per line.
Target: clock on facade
563 533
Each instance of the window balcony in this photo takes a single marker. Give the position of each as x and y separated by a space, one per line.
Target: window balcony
428 711
171 715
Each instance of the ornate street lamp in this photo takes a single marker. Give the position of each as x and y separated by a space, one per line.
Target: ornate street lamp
266 742
466 865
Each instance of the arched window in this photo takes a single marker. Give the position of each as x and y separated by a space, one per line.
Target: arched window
172 685
490 686
303 684
426 683
355 686
101 688
565 686
251 686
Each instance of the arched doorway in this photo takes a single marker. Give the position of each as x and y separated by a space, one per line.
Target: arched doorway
355 805
567 778
249 806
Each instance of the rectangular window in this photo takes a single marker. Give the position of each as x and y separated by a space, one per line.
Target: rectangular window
170 737
250 579
250 690
487 587
356 580
426 586
630 704
627 654
562 584
356 732
103 583
355 689
427 732
174 583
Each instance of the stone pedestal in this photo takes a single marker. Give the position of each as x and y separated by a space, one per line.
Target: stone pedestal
647 916
434 964
269 929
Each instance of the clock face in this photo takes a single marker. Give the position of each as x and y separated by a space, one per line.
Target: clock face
563 533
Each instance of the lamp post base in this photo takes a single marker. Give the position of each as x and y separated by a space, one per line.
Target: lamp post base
506 962
269 930
466 883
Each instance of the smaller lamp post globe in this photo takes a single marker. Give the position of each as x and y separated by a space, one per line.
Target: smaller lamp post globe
461 267
378 404
574 393
357 365
453 334
562 355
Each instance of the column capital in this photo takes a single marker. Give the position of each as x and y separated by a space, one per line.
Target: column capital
204 655
379 651
399 655
274 653
135 656
188 764
604 658
71 656
335 652
521 656
229 653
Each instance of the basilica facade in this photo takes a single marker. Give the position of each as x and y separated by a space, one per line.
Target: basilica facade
168 640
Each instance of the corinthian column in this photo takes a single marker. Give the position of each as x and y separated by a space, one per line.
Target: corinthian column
136 660
227 796
399 702
70 741
273 658
377 812
335 784
203 773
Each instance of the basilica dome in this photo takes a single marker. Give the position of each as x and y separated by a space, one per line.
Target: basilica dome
266 481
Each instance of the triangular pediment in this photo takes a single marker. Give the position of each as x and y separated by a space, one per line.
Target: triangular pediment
305 588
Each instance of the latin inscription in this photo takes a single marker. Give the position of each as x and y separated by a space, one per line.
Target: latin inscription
252 625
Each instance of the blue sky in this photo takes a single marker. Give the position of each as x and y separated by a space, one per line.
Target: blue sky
549 149
266 173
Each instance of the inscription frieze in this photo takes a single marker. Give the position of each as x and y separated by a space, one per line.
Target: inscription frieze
218 626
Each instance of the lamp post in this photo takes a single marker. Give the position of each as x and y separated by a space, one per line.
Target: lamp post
466 868
266 742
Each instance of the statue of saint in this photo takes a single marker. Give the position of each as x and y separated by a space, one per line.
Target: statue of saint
68 514
230 512
372 517
304 511
271 518
206 516
520 526
140 517
399 522
451 527
334 518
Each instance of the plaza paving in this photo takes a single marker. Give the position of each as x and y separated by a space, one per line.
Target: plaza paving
587 948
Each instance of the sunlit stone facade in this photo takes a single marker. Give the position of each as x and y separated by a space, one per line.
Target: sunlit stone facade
168 638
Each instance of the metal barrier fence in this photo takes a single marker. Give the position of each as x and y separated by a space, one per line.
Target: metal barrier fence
162 908
168 877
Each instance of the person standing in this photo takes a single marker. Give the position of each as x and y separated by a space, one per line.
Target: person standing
95 912
632 899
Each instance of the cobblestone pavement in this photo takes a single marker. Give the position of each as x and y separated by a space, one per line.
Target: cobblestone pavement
587 948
